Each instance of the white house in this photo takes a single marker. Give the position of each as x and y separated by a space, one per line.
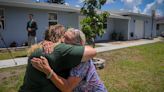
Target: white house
15 16
130 25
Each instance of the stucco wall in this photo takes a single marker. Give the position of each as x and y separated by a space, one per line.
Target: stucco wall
15 24
161 29
110 27
121 27
108 31
147 26
16 20
68 19
117 25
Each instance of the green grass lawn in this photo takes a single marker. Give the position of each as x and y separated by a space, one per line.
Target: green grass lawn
15 54
135 69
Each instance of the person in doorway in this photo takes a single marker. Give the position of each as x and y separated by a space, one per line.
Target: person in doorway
31 29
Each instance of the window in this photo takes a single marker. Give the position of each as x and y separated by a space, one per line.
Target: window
2 19
52 17
157 27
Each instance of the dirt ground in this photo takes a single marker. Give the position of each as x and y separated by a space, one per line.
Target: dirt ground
10 72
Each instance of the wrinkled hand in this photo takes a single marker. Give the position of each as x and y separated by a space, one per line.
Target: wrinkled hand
48 46
41 64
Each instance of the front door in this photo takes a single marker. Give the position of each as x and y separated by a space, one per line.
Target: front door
139 29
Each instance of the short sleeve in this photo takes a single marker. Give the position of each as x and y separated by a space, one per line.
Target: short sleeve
71 55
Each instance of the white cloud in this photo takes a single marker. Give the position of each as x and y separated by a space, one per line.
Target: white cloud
127 1
132 5
159 13
81 1
77 6
110 1
149 8
136 9
160 1
122 9
154 6
67 4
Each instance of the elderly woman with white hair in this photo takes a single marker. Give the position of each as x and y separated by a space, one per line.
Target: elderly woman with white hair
83 78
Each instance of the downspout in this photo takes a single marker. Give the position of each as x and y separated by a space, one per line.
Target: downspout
128 28
152 28
145 23
153 14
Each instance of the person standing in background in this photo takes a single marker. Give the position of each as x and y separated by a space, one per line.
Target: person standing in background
31 29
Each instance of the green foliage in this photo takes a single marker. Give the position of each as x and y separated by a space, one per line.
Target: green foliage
93 23
102 2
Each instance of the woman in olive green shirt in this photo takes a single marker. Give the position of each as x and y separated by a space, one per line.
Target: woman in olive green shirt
62 58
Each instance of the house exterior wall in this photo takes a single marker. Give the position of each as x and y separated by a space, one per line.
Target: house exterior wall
15 24
161 29
108 31
68 19
16 20
147 27
121 27
107 35
110 27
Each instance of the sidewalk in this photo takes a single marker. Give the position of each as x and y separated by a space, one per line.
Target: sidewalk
11 63
124 44
104 47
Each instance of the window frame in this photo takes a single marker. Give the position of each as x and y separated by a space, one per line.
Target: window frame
52 20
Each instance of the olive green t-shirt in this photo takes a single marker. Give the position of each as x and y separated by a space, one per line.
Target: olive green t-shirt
62 59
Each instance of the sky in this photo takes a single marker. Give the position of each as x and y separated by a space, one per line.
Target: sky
136 6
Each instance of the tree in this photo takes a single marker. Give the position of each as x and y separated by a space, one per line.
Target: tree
56 1
93 23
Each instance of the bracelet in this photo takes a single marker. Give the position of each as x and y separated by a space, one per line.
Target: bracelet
50 74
